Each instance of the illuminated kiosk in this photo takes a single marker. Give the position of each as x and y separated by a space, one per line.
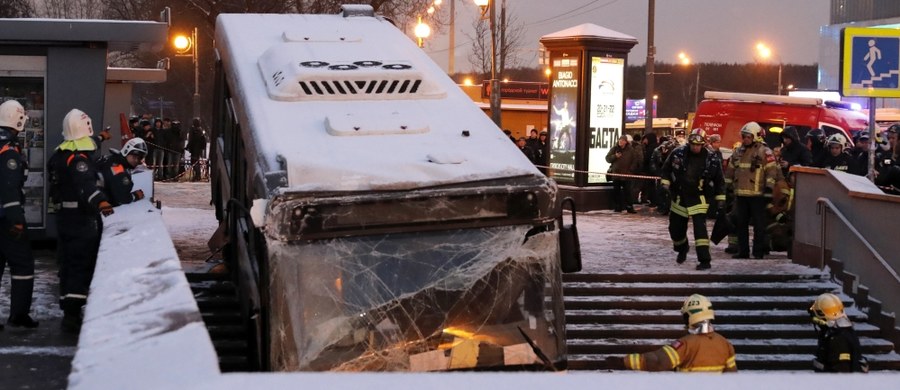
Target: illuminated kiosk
586 109
54 65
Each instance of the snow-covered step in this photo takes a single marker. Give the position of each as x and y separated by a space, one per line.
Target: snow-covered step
674 331
674 302
718 277
710 289
784 362
742 346
612 316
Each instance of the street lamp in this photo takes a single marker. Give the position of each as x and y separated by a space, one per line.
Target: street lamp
686 61
188 47
765 52
422 31
489 6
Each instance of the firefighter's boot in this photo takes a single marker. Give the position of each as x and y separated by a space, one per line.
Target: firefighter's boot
20 303
72 318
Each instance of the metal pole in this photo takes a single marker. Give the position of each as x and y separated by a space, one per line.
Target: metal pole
697 89
196 59
779 78
451 63
495 84
871 171
651 52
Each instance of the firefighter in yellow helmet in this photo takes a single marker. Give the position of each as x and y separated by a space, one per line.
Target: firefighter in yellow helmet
838 348
702 350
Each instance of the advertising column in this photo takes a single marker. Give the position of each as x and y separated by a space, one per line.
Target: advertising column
563 118
605 113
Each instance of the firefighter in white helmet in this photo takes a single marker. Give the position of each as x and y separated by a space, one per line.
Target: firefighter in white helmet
115 171
80 203
702 350
15 248
752 172
838 347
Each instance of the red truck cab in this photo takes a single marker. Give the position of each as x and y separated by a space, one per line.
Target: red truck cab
724 113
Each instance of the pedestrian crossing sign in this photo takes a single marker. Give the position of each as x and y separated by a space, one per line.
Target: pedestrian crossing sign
870 62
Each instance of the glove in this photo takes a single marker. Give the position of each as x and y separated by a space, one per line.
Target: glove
104 135
16 231
615 363
138 195
105 208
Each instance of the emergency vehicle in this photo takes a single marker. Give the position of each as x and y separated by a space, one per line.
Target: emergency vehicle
724 113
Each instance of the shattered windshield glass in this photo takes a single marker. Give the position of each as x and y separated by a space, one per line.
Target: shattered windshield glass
456 299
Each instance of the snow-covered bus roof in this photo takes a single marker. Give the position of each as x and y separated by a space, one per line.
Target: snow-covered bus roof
349 103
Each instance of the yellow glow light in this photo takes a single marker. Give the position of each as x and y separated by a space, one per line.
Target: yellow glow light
467 81
181 43
482 3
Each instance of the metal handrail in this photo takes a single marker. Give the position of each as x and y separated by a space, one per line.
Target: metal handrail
825 202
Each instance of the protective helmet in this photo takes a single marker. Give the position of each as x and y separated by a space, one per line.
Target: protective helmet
134 145
827 308
697 137
77 125
697 309
816 135
12 115
836 139
752 128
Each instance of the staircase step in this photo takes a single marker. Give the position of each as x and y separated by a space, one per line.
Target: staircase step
730 331
870 346
226 331
216 302
672 302
234 363
692 277
222 318
213 287
230 347
711 289
612 316
780 362
200 277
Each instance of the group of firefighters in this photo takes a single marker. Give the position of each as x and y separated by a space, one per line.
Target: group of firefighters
83 189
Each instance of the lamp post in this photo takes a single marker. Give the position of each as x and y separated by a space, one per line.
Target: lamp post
765 52
650 66
494 83
422 31
187 47
685 60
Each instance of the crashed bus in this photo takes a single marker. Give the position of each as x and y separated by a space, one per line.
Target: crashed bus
376 219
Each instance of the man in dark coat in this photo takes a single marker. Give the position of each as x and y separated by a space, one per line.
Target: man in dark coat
624 160
792 151
196 146
115 172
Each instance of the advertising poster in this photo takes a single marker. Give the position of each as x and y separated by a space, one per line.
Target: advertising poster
604 113
563 117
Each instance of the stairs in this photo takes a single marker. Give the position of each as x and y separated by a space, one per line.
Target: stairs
218 303
763 315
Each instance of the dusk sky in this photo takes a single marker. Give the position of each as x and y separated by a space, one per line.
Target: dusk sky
708 30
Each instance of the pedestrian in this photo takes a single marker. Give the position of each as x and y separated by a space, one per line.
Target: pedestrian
860 153
836 157
693 176
648 187
15 249
80 204
522 144
792 152
660 154
838 348
115 172
196 146
543 155
887 161
815 143
752 172
701 350
623 160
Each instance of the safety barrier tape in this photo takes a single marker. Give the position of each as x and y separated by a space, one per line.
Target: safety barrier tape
625 175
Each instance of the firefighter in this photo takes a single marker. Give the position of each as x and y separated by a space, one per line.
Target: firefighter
836 157
80 203
752 171
15 248
838 348
115 172
693 175
702 350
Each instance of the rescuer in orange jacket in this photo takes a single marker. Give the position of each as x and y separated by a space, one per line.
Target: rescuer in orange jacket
702 350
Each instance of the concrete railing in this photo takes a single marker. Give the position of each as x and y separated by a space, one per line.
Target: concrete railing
142 328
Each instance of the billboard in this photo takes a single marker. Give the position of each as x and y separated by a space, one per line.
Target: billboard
563 118
605 113
635 110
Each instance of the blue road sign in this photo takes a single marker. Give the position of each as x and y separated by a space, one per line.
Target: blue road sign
870 62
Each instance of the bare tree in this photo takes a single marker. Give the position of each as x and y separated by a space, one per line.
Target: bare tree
16 9
71 9
510 35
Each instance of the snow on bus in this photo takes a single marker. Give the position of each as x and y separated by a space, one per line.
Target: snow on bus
375 218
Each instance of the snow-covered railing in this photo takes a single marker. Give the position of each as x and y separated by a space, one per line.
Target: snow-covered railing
142 327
